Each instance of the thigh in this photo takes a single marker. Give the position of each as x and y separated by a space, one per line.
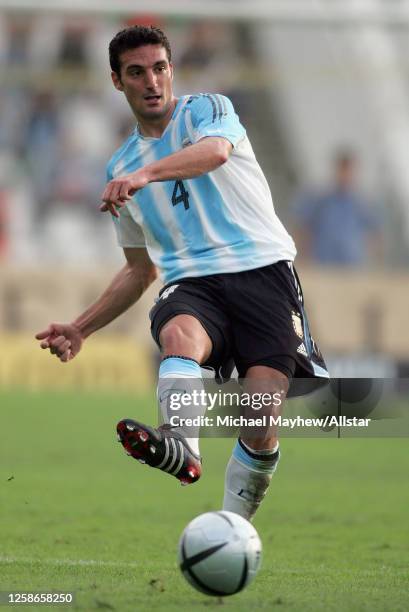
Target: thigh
202 299
267 321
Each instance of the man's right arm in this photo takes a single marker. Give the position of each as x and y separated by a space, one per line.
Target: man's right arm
65 340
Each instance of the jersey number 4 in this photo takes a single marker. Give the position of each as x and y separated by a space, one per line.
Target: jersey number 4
180 195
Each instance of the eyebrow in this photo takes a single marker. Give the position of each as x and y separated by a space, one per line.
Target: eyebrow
159 63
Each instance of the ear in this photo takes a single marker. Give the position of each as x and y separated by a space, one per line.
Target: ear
117 81
171 70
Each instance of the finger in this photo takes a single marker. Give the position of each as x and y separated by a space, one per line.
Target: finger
106 194
111 193
57 342
109 208
123 195
66 356
45 344
44 334
63 348
124 192
113 210
116 190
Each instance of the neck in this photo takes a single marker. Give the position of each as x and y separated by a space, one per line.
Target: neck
154 128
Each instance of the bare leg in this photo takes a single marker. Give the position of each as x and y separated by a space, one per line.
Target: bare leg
266 380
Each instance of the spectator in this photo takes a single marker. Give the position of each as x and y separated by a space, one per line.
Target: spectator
40 138
338 225
3 224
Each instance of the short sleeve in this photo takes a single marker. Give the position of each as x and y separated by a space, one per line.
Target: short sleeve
129 233
213 115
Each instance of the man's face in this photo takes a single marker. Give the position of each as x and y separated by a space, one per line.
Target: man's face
146 80
345 173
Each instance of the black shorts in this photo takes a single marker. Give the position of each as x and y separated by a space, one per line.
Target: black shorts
254 317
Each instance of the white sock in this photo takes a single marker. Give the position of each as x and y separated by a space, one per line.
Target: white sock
248 476
178 376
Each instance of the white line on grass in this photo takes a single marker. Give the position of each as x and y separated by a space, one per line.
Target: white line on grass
319 569
67 562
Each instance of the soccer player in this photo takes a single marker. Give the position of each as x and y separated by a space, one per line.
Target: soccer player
188 198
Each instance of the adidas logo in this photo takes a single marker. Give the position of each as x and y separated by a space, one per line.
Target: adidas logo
168 291
169 392
302 350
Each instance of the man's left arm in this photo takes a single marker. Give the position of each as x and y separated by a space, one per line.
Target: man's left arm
197 159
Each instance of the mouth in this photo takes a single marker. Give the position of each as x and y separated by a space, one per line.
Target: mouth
152 98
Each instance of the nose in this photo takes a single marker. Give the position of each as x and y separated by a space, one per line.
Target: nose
150 79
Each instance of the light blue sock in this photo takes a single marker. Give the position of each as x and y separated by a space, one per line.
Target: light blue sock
264 461
179 367
248 476
178 376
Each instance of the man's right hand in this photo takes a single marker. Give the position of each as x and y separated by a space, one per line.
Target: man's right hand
62 339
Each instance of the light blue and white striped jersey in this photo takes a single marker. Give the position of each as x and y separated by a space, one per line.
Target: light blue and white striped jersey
222 221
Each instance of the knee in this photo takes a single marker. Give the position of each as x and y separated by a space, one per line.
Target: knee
173 338
185 336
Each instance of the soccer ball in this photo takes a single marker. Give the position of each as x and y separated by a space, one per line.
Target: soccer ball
219 553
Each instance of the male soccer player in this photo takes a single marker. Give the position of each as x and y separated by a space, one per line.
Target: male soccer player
188 197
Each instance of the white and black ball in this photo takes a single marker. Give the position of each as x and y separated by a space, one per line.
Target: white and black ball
219 553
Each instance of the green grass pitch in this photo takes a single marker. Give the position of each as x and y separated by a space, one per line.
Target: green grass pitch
77 514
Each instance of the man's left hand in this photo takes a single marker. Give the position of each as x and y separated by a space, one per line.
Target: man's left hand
120 190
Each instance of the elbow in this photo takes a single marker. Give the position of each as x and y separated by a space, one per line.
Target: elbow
149 276
222 152
222 158
142 276
152 275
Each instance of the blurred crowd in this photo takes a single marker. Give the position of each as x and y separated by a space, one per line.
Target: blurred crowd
61 119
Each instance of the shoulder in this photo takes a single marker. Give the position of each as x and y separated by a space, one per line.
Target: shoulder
215 104
120 153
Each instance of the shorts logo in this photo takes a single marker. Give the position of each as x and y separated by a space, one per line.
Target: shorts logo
297 324
168 291
302 350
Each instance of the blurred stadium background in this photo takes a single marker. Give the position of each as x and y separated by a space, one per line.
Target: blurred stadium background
308 79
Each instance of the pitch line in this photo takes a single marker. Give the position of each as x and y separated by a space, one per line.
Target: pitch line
289 571
68 562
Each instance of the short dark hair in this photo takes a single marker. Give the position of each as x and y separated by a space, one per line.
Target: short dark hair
132 38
